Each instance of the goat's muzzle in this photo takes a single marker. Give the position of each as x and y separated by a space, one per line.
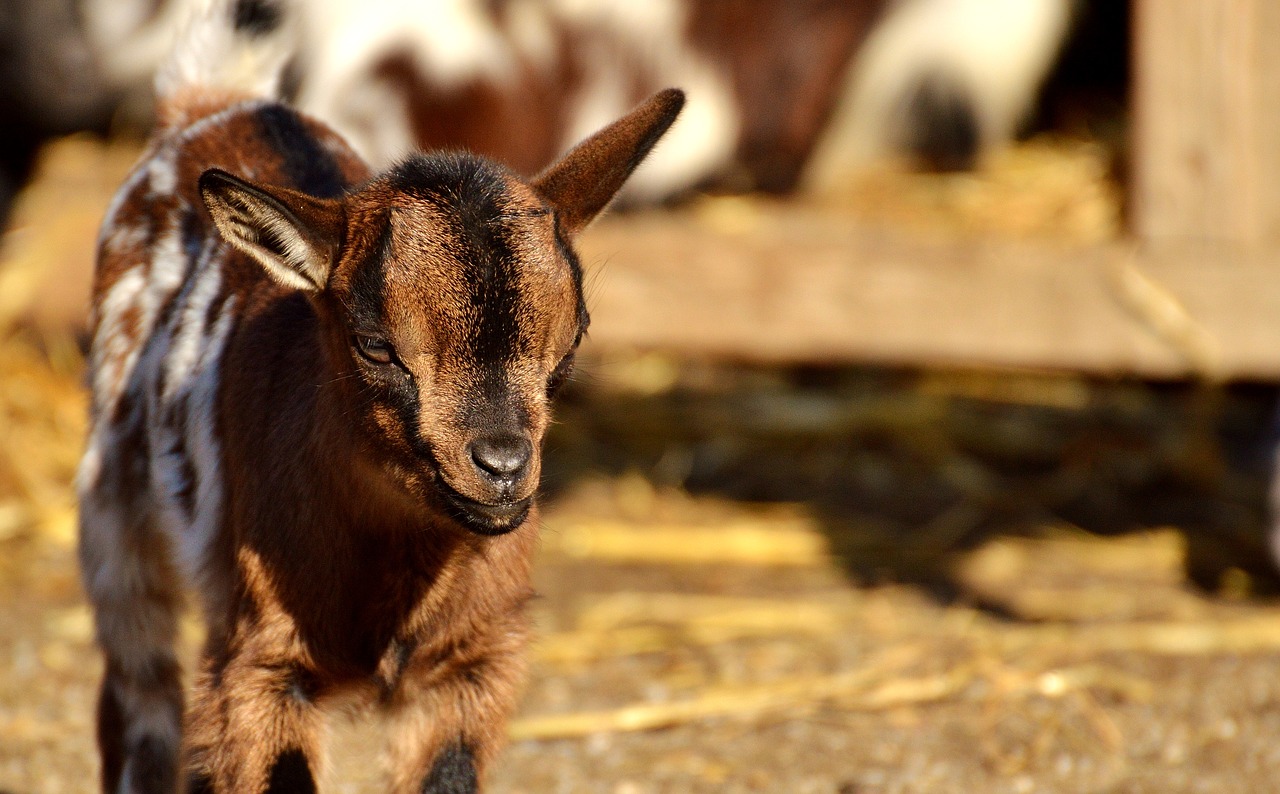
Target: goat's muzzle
502 461
485 518
501 467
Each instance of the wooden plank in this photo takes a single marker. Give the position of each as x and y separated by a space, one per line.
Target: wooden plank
1206 120
798 286
784 282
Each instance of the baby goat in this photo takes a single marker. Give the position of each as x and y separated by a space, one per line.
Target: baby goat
318 399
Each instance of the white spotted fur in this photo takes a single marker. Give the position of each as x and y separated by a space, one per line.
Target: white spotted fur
455 42
137 547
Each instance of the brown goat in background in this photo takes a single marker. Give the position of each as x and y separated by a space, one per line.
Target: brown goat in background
319 398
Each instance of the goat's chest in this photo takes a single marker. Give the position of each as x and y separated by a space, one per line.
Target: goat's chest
361 606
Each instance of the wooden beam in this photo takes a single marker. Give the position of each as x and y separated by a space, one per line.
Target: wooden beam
1206 159
801 286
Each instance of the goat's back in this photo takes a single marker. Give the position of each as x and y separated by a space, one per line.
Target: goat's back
170 294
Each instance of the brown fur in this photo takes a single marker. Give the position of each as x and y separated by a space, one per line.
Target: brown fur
362 545
786 61
478 114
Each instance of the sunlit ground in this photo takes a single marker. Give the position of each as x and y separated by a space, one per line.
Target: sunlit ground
853 580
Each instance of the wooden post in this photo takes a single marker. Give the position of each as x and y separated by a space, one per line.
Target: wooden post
1206 143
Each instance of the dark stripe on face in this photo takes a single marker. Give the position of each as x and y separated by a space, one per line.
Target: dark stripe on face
307 165
494 289
497 337
470 193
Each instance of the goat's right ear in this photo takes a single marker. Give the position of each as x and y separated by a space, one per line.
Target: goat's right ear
294 236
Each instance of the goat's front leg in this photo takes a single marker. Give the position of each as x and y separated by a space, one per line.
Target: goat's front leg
253 727
448 718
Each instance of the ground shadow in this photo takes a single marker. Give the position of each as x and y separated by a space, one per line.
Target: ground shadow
910 469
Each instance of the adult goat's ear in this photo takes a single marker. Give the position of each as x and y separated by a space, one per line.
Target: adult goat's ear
295 237
585 180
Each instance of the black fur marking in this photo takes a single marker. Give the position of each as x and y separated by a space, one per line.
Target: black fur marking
471 191
943 125
450 178
495 292
193 234
290 774
410 409
215 311
301 684
111 728
134 474
199 783
152 763
454 772
153 766
257 17
307 164
366 309
175 418
193 240
159 673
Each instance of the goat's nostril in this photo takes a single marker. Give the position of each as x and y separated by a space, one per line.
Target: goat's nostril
501 456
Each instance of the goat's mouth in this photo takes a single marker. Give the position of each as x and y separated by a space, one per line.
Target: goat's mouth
485 518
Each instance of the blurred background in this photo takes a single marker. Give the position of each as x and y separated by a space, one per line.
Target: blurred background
925 430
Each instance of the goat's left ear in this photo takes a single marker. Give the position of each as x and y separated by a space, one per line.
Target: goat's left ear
585 180
295 237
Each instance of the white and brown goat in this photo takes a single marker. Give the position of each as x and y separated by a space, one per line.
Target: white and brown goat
794 94
318 400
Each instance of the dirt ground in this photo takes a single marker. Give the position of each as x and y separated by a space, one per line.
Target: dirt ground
813 579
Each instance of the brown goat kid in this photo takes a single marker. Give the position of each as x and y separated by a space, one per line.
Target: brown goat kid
319 398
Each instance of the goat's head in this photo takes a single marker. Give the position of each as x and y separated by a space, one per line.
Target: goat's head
448 290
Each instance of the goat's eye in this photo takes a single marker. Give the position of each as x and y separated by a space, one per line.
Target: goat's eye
371 348
560 374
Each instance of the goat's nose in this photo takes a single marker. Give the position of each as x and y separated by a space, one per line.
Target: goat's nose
501 458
